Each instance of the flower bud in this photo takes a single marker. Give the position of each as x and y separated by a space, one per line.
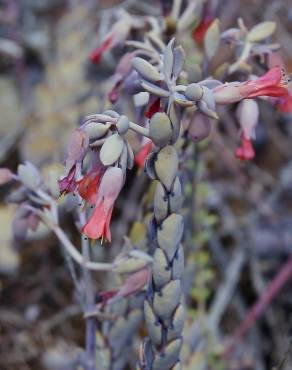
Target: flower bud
122 124
146 70
200 127
96 130
248 115
111 149
194 92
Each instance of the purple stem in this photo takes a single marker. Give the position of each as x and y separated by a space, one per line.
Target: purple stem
258 308
91 325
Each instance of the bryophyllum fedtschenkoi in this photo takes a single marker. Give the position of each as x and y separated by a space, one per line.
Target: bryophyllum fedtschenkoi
98 225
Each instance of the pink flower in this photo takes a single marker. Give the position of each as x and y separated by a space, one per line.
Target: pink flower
247 114
270 84
68 184
245 151
88 186
98 226
143 153
77 148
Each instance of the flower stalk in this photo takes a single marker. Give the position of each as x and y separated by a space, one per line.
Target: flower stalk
163 310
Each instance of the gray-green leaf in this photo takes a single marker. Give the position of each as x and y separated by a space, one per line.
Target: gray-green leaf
261 31
146 70
212 39
111 149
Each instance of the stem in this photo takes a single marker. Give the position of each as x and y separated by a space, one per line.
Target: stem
139 129
257 309
164 312
74 253
176 7
91 324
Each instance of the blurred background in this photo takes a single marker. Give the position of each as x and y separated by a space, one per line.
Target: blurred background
240 235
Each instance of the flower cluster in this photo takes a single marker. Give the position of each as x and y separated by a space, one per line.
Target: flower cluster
98 156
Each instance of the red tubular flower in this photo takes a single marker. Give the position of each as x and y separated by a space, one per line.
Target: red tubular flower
270 84
143 153
96 54
88 186
246 151
98 226
153 108
199 32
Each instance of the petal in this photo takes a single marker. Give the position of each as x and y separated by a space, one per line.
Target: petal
153 108
231 92
94 228
248 114
107 232
246 151
110 186
143 153
271 78
274 91
77 146
88 186
67 184
96 54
